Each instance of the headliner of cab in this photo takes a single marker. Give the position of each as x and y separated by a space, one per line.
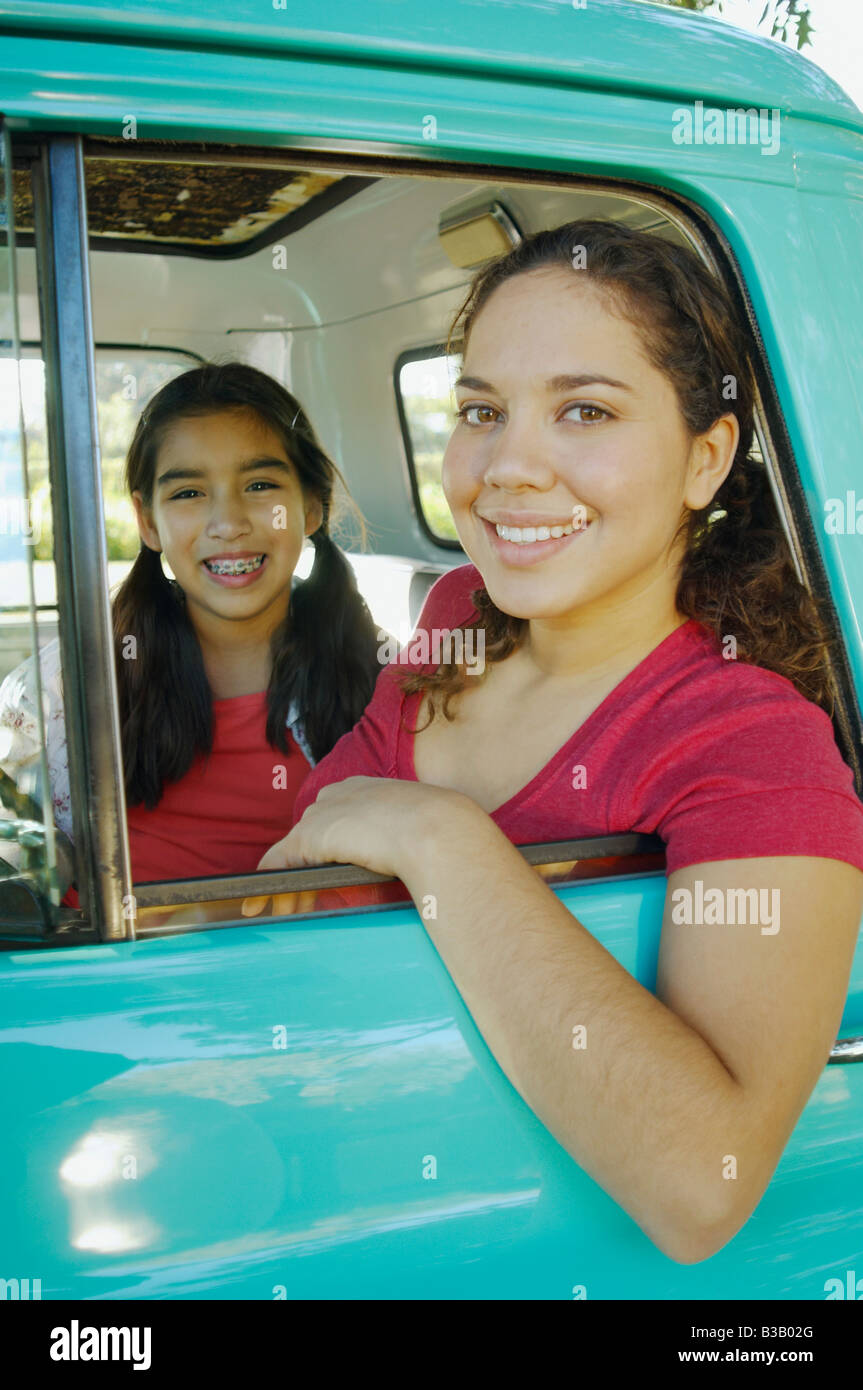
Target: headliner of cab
612 44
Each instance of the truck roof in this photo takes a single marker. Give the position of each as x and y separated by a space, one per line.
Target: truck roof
620 46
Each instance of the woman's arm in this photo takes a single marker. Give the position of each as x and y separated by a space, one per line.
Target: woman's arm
678 1104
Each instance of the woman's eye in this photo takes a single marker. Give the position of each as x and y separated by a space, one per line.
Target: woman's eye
261 483
591 414
476 414
187 492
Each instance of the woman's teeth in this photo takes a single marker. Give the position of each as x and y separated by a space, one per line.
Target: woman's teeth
244 566
526 535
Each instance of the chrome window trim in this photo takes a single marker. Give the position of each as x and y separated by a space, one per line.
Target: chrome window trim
81 559
177 892
846 1050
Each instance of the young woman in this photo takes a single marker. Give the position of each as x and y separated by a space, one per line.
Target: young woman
651 664
230 684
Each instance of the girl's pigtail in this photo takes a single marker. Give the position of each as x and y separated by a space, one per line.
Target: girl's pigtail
325 657
164 697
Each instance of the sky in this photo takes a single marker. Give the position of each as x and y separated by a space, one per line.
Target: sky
837 36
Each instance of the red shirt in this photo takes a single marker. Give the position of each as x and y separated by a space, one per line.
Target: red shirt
723 760
229 808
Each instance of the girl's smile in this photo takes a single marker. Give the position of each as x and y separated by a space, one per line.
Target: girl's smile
235 570
231 517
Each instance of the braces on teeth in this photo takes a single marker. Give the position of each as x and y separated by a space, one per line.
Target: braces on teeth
235 566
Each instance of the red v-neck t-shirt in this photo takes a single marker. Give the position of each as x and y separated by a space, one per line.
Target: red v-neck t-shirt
223 815
228 809
721 759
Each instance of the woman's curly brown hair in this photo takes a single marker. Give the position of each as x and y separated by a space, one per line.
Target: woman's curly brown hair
737 577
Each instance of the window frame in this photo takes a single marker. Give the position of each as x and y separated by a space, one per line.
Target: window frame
83 604
30 346
95 721
420 354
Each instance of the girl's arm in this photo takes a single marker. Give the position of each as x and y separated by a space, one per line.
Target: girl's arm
678 1104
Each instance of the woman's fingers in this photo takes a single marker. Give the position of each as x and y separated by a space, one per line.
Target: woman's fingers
283 904
287 904
556 870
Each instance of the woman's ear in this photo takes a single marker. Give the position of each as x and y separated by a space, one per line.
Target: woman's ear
710 461
314 514
144 517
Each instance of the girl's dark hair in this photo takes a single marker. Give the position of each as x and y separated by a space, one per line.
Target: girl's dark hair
737 577
324 654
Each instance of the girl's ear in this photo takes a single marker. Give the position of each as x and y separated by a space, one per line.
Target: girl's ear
314 515
144 517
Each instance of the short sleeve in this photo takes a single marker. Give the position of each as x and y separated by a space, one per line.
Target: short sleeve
367 750
19 731
765 779
448 602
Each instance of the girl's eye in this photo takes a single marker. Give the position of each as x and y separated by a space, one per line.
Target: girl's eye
261 484
469 413
591 414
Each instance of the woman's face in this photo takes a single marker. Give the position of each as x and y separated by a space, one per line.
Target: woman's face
230 515
565 424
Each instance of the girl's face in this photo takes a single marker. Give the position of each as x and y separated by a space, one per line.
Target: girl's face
230 515
570 465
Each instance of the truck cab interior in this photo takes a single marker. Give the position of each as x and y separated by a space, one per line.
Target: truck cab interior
343 287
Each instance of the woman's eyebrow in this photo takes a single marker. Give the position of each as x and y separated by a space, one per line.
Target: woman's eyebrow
574 383
555 383
173 475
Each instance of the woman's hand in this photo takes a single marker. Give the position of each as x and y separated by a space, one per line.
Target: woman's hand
377 823
283 904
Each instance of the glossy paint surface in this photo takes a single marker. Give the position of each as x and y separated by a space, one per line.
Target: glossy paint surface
308 1110
614 45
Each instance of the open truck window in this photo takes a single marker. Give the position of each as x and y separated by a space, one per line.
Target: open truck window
424 386
245 265
34 856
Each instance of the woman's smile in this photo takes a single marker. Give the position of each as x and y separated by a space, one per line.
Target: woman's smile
531 542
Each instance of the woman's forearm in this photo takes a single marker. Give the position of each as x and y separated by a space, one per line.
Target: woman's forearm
634 1094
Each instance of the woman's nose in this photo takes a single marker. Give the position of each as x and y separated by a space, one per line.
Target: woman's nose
518 458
